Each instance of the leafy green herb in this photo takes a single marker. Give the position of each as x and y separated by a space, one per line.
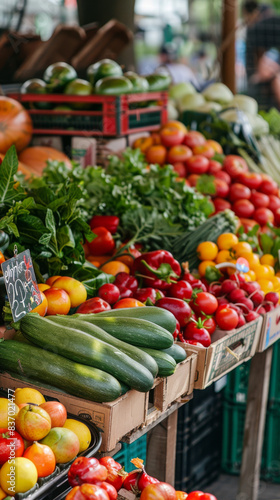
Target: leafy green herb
205 184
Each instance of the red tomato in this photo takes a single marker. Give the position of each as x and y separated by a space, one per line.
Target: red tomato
86 470
10 440
277 217
193 138
274 202
195 495
131 480
209 324
221 204
109 292
263 215
268 185
178 153
223 176
238 192
181 290
215 145
222 188
251 180
180 168
144 480
214 167
110 463
109 488
226 318
171 136
208 496
205 303
192 179
178 307
87 492
197 164
235 165
103 243
259 199
205 150
243 208
193 332
94 305
110 222
248 224
159 491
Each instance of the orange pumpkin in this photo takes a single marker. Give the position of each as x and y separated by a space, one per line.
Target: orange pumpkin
15 125
36 158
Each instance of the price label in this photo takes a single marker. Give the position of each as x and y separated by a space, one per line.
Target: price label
21 285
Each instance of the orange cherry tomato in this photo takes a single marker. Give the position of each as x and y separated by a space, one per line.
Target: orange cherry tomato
126 303
156 154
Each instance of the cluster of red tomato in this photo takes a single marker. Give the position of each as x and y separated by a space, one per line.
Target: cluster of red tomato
102 479
231 185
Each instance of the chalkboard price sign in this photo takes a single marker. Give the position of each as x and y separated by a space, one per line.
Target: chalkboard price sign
21 285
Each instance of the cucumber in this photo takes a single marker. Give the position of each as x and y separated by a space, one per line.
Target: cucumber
138 332
44 366
133 352
176 352
83 348
166 364
157 315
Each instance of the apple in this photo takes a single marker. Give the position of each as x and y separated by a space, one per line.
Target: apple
63 442
33 422
56 411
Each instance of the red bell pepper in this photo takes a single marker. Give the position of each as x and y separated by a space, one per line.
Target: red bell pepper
126 284
111 222
86 470
116 474
180 308
158 269
103 243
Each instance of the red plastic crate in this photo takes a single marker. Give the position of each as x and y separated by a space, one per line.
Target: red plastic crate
110 116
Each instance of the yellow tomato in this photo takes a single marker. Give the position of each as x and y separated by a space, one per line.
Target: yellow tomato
227 241
18 476
266 285
252 259
267 259
241 246
270 269
82 432
2 494
28 395
247 277
203 266
252 275
276 283
8 412
262 272
207 250
223 256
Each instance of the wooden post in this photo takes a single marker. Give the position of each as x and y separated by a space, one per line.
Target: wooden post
258 387
161 450
229 21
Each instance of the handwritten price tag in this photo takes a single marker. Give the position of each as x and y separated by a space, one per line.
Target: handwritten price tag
21 285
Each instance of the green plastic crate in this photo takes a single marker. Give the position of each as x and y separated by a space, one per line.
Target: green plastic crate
271 448
133 450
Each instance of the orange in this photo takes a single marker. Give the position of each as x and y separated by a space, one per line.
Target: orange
203 266
24 472
226 241
262 272
114 267
41 309
58 301
28 395
124 303
223 256
241 246
207 250
42 457
81 430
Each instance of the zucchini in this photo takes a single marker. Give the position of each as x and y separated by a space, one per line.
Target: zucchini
166 364
44 366
83 348
176 352
157 315
138 332
133 352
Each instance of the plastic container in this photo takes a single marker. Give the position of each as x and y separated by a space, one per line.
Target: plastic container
45 487
110 116
136 449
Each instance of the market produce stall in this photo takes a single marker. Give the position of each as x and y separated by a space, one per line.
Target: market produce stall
153 279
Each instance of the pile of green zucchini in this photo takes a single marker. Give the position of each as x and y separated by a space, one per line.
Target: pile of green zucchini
94 356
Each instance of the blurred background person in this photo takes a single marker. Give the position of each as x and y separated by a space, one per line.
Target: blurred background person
178 70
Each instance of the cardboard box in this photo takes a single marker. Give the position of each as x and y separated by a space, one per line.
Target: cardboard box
227 351
270 331
115 419
83 150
